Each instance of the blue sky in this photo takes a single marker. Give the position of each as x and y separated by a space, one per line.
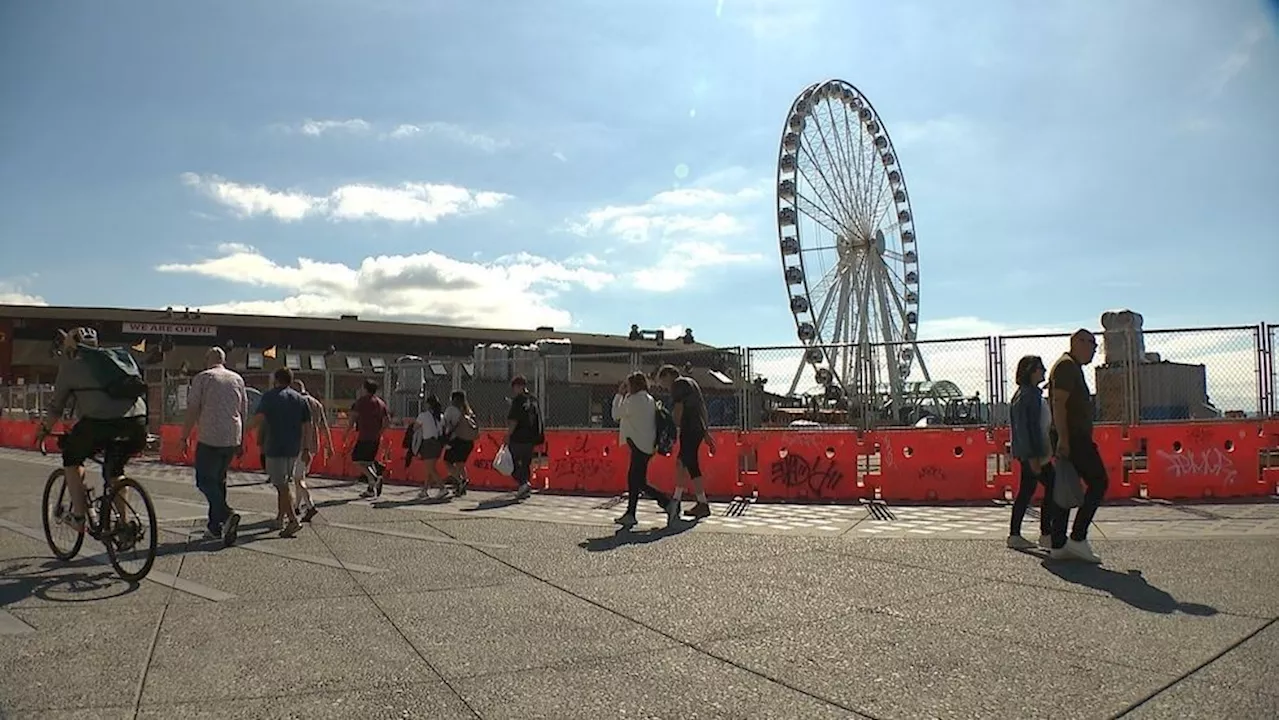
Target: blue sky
593 164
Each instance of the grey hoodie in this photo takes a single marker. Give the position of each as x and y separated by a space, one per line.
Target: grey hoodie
76 382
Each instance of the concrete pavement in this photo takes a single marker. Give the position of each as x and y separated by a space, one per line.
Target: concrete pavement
488 608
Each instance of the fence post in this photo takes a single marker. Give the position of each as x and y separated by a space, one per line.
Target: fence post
1263 360
540 383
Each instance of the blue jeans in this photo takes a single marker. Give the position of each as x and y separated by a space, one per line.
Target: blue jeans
212 464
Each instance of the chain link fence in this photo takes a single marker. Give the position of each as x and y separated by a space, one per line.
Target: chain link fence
1193 374
872 385
1178 374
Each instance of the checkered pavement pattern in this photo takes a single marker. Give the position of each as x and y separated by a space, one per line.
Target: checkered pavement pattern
1138 520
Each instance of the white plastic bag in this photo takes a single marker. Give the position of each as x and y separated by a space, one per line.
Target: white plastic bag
503 463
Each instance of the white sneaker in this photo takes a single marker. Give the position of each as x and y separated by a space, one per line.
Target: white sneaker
1061 554
1046 542
1082 551
1017 542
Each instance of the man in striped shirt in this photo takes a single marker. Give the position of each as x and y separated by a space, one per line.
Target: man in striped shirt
218 405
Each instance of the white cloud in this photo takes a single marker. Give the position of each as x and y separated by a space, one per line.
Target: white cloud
771 19
13 292
560 156
694 210
1229 357
679 267
515 291
407 202
316 128
676 233
1238 59
448 131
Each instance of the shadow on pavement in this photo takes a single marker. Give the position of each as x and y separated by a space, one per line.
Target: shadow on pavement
21 578
1129 587
626 536
494 504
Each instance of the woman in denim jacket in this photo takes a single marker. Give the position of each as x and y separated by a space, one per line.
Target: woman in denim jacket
1029 423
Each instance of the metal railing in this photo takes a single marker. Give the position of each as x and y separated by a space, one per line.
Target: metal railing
1170 375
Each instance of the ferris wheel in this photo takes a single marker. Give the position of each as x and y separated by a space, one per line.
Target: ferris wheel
847 237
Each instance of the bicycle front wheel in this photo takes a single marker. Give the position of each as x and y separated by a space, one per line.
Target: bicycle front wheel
63 541
129 529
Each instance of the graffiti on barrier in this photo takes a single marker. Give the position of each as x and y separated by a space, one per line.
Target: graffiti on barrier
582 468
1211 463
931 474
818 474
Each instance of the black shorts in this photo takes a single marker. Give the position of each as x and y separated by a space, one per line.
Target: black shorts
430 449
458 451
90 436
687 452
365 451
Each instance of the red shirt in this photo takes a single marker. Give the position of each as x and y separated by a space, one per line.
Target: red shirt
371 416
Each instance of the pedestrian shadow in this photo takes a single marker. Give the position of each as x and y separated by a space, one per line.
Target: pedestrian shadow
58 582
415 500
627 536
1129 587
494 504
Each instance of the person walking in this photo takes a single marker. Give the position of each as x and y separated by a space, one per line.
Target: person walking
524 433
461 431
689 411
1071 434
635 410
287 417
217 406
316 442
369 417
428 443
1029 443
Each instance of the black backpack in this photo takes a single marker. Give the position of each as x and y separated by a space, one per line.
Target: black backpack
115 372
665 439
534 416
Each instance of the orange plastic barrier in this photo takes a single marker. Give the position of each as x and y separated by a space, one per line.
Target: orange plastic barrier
1235 458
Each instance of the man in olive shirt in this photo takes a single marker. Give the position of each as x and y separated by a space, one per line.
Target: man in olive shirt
1071 434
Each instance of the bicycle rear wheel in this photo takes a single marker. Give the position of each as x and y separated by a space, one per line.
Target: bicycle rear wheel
63 540
129 529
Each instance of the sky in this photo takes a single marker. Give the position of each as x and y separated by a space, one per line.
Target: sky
588 164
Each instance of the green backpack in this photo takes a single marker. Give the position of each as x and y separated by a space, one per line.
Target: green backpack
115 372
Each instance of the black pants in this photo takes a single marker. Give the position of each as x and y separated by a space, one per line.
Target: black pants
1028 479
1088 462
521 461
638 480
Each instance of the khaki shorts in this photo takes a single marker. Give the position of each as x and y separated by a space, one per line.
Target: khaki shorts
280 470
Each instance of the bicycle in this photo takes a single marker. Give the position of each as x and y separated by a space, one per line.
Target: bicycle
107 519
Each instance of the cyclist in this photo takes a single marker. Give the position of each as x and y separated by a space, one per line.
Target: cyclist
100 420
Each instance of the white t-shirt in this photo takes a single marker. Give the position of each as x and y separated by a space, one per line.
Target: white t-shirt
452 416
427 428
636 422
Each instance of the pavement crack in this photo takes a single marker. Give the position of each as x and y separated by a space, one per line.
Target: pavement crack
659 631
412 646
155 635
1217 656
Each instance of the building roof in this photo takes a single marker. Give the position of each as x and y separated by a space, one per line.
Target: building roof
480 335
